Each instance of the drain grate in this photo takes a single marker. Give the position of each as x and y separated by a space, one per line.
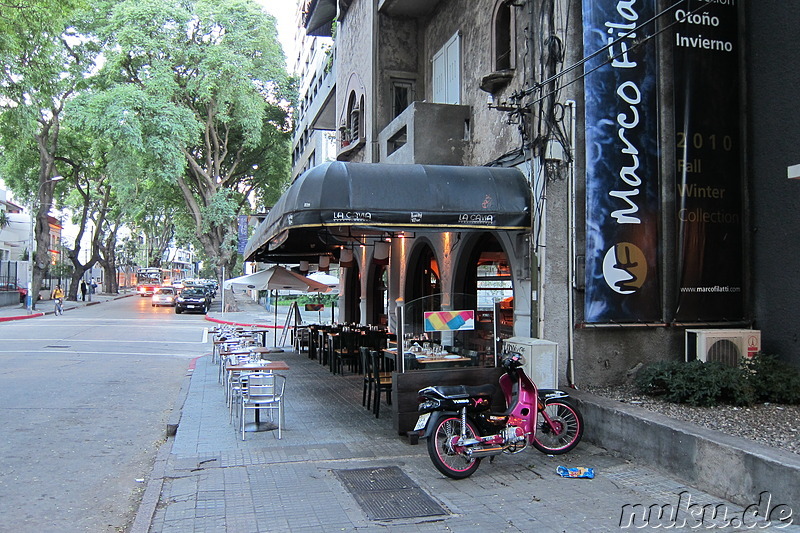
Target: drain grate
388 493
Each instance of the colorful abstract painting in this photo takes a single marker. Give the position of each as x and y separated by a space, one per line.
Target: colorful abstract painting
449 320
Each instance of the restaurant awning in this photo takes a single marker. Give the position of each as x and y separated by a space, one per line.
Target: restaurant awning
339 202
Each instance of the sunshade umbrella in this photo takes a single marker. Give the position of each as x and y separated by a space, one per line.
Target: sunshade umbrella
327 279
330 281
276 278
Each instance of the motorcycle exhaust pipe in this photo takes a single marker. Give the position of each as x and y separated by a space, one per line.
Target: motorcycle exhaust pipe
479 453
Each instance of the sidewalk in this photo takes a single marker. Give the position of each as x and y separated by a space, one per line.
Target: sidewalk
46 307
338 468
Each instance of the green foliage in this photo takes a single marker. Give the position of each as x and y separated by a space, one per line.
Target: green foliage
773 380
764 379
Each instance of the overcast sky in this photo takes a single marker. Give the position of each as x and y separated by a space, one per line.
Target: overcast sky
284 11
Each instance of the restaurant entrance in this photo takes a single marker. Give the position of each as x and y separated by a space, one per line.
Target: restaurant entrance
486 273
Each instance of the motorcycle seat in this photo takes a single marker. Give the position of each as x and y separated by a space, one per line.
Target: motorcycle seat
456 392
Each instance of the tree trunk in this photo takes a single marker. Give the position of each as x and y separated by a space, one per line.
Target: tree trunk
75 281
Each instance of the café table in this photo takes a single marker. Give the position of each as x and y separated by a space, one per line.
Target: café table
259 366
428 360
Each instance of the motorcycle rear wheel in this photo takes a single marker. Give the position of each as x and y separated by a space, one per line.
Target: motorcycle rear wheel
447 460
568 428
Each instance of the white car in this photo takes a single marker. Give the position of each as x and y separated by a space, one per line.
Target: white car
164 296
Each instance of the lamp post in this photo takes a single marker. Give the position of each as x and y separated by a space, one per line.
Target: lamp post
31 254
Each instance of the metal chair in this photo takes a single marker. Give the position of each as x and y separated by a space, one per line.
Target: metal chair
264 391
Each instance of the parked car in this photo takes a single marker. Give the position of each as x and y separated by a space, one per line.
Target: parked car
211 289
164 296
192 299
23 292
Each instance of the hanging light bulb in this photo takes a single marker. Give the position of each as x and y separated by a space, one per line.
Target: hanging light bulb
304 267
324 263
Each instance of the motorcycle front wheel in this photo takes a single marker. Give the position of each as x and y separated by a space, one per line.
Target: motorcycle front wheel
448 460
564 434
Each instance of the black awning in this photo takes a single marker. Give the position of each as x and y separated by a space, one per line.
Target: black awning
337 202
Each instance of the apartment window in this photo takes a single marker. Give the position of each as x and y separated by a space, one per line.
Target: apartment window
503 36
402 96
447 72
350 129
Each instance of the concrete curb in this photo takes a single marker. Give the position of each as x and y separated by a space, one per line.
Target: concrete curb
21 317
730 467
155 483
152 494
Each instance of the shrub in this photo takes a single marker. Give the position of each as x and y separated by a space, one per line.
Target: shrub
762 379
773 380
695 383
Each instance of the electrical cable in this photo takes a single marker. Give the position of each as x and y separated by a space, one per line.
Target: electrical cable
610 58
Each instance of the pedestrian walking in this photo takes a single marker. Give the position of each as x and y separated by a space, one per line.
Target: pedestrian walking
58 297
83 290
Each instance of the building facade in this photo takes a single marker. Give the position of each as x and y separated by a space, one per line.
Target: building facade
631 123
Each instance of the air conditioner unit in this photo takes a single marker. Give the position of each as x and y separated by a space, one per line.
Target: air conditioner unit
541 359
727 346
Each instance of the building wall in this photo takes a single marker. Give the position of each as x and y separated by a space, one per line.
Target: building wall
774 115
355 51
372 48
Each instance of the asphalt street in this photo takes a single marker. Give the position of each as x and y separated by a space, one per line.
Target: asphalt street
85 399
83 402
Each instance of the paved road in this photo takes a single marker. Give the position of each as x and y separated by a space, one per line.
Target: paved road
84 399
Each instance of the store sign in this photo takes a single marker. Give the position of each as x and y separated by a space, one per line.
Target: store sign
709 202
622 151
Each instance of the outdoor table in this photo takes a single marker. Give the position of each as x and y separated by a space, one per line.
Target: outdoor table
261 332
424 359
257 425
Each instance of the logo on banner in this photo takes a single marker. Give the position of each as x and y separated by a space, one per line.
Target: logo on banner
625 268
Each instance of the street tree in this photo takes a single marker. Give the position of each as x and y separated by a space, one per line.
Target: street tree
208 105
45 63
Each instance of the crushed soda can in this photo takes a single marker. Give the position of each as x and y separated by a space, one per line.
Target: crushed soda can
578 471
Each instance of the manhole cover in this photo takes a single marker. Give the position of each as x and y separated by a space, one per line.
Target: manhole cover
387 493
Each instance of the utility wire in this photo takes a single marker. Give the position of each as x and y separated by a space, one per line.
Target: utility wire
591 56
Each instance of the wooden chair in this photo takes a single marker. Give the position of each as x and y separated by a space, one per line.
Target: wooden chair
345 352
381 381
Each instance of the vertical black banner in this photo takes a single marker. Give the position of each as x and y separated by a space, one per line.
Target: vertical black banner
708 162
622 178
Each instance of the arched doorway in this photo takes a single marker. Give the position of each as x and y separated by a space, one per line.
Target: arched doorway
485 272
422 276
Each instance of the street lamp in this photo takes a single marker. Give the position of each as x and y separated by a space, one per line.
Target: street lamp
31 255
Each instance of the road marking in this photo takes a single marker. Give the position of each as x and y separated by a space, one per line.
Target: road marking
75 340
106 352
